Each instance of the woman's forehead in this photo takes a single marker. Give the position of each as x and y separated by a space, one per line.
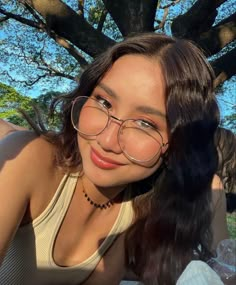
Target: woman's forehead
135 76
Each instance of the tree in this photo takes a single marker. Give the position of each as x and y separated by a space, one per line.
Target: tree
63 36
229 121
11 102
47 43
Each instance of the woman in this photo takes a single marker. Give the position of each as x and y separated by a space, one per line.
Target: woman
6 128
225 141
126 184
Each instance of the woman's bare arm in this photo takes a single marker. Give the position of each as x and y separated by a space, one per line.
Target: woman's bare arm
22 164
219 222
6 128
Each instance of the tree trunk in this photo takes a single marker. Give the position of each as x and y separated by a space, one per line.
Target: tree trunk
66 23
132 16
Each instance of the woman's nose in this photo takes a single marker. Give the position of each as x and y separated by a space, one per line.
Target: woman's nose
108 139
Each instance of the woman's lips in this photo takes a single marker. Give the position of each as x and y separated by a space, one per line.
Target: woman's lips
103 162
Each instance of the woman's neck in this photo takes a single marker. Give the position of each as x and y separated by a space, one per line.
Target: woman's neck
101 195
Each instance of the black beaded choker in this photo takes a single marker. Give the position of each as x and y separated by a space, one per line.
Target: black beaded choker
103 206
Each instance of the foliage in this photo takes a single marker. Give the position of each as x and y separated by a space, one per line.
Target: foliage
99 18
231 222
43 103
229 121
11 102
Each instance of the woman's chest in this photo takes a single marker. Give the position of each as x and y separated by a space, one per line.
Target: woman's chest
84 235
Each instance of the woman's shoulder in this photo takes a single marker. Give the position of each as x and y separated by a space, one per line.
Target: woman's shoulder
28 176
27 150
6 128
27 169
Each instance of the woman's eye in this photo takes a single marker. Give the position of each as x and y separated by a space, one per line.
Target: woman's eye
102 101
146 124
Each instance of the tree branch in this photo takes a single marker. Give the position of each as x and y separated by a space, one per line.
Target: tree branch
32 11
4 19
31 82
66 23
62 42
37 79
162 22
81 8
21 19
102 20
173 3
198 19
224 67
70 48
41 64
52 71
166 7
132 16
218 36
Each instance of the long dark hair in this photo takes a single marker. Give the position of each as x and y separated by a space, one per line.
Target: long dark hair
225 141
173 215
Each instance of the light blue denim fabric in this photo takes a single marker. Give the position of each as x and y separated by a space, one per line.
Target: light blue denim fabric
199 273
224 264
196 273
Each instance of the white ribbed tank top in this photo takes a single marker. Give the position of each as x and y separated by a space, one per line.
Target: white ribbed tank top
29 259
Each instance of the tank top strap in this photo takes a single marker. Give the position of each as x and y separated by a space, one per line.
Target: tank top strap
62 196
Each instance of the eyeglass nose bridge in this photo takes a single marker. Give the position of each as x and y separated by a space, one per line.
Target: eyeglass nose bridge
117 120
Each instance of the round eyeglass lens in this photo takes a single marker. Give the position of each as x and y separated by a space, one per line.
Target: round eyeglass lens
89 117
139 144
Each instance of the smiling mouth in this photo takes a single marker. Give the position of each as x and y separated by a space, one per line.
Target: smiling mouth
103 162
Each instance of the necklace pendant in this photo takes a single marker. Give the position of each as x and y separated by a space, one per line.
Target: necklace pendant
103 206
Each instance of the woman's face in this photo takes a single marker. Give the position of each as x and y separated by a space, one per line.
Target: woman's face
134 88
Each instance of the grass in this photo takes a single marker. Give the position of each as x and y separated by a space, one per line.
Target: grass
231 221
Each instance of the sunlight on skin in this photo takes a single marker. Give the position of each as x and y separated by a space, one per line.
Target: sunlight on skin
6 128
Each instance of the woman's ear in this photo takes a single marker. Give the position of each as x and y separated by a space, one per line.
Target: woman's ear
164 150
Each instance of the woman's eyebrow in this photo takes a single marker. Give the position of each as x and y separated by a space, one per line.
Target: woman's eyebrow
151 111
108 90
144 109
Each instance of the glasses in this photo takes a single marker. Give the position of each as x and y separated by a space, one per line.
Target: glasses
138 139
